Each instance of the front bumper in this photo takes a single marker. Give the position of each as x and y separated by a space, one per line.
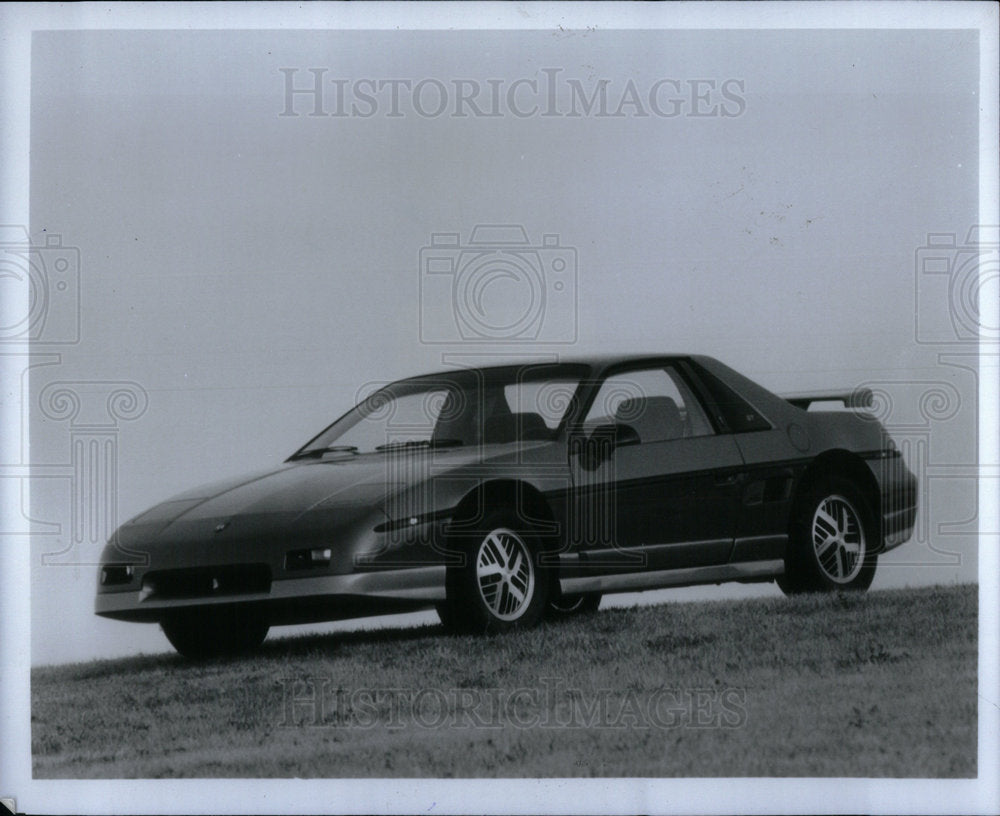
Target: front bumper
292 600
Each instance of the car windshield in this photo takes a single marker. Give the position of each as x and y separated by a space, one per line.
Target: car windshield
466 408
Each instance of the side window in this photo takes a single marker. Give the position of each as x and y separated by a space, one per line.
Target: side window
736 411
656 402
547 398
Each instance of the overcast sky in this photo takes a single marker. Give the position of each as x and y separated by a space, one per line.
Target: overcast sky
761 197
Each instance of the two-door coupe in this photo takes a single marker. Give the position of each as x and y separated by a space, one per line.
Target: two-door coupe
502 494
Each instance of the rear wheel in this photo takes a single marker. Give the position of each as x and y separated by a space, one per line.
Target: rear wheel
209 633
500 585
444 612
834 541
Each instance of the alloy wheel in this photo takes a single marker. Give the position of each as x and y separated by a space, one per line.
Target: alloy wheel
838 539
505 575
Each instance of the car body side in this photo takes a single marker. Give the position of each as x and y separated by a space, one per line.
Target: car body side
392 523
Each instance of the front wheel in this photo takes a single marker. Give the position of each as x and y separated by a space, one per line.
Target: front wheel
500 586
205 633
834 540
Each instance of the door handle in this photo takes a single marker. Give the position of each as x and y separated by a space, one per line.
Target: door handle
727 480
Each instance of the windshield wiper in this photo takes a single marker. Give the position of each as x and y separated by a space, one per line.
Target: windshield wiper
420 443
316 453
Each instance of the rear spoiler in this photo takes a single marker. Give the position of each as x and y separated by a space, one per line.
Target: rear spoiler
858 398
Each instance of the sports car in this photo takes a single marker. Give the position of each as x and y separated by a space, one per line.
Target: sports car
506 494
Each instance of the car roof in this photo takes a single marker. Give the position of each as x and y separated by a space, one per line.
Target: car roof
595 362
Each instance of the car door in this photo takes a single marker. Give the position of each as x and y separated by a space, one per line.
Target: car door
772 465
654 485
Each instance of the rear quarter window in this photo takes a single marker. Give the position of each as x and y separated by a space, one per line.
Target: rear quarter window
739 415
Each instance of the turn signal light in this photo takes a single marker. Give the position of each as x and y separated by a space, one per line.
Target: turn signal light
308 559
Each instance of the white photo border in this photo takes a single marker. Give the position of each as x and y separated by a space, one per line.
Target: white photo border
982 795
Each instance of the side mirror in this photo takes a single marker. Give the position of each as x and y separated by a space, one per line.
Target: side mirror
625 435
601 443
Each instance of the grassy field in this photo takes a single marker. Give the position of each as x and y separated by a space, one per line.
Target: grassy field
882 684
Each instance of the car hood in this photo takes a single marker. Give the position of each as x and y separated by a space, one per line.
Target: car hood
293 488
296 489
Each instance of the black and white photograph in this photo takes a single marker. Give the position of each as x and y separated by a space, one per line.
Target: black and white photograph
499 408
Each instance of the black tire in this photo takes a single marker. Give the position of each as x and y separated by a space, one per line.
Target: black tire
447 616
570 606
834 540
500 584
203 633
